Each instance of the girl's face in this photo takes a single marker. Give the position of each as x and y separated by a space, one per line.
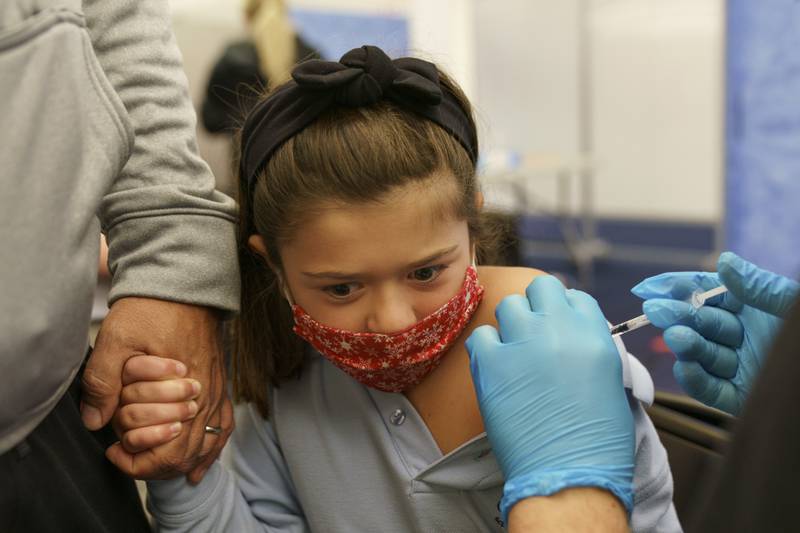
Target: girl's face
378 267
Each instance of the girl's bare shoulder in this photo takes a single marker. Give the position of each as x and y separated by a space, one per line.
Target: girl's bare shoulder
499 282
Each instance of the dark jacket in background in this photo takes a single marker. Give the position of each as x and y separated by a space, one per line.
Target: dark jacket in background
237 83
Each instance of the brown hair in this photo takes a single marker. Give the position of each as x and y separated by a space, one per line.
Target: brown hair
351 155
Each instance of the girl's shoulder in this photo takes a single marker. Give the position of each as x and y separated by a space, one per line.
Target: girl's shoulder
499 282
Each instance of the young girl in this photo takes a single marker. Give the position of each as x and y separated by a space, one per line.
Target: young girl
359 234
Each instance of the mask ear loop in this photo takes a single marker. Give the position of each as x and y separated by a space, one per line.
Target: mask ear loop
285 289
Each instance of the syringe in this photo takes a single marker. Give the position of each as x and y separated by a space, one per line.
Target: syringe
698 299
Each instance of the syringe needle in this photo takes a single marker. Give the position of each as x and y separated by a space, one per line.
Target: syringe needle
698 300
630 325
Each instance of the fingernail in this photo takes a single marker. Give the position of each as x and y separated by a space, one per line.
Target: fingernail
192 408
196 387
91 417
175 428
181 369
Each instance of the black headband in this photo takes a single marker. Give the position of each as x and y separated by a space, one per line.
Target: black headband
362 77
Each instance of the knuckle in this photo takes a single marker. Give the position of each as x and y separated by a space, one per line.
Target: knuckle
131 394
187 411
123 417
205 454
95 384
174 463
132 416
132 365
695 342
187 388
130 441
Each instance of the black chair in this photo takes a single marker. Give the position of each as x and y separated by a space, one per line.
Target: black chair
694 436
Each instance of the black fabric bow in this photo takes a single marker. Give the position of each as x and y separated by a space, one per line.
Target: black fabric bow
366 75
362 77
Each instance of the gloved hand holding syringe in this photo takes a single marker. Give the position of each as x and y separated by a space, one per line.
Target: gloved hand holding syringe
698 299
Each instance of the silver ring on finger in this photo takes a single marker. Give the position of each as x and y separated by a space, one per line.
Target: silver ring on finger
213 430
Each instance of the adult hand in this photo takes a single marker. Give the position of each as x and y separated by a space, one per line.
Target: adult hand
721 346
144 326
549 385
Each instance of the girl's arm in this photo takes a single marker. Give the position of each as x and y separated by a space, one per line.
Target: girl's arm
250 490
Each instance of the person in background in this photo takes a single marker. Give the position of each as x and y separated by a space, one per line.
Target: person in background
360 228
248 67
97 133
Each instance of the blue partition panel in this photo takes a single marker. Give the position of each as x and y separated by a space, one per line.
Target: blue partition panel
763 132
334 33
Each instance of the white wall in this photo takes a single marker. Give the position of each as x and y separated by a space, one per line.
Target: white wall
202 29
659 107
655 94
656 89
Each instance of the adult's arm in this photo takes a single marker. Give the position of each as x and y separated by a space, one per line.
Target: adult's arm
170 233
577 509
553 402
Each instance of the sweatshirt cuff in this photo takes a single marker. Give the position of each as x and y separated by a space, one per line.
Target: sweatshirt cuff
177 498
186 258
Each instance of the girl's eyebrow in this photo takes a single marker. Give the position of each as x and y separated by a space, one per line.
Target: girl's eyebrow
433 257
358 275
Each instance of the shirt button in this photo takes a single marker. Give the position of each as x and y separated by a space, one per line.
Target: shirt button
398 417
483 454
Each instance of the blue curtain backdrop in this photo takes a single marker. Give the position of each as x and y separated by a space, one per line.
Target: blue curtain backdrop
763 132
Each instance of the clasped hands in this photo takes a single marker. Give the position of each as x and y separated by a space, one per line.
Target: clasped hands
157 374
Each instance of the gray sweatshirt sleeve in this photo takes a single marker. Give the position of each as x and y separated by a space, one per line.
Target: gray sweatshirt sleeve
249 490
170 233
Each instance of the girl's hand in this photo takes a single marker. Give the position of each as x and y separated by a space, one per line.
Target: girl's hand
155 399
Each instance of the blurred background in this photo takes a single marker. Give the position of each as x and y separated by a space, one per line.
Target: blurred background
620 138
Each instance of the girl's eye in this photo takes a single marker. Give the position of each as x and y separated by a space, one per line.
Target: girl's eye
341 290
427 274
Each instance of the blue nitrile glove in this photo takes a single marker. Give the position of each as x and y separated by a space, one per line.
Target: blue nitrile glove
551 395
721 346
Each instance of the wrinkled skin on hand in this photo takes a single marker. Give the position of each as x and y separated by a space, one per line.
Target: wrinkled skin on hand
187 333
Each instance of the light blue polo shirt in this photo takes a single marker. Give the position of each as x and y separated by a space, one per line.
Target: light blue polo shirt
337 456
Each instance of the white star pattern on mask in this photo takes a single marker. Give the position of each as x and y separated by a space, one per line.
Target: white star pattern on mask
394 362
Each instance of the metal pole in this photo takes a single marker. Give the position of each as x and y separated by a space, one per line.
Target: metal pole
585 144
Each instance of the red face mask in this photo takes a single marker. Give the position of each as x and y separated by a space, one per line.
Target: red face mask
397 361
